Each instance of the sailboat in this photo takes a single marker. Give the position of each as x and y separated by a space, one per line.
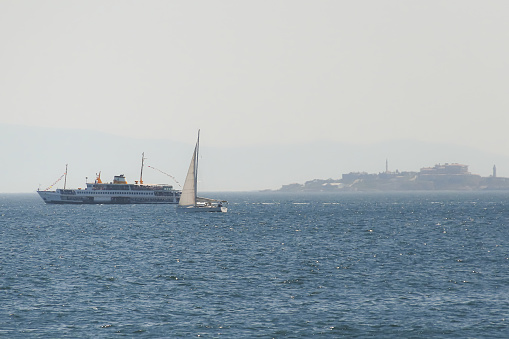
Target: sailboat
189 201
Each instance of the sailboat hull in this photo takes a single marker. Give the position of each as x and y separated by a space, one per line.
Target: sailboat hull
195 209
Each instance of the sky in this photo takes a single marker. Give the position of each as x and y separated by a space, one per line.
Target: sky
258 74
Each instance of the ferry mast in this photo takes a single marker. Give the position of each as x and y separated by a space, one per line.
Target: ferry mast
65 178
141 171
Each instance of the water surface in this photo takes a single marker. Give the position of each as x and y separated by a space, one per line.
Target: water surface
412 265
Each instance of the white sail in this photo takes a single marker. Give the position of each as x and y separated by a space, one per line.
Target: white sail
188 197
189 202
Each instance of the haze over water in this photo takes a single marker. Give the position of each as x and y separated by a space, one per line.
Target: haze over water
292 90
414 265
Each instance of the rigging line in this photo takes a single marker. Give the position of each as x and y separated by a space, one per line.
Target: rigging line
53 184
171 176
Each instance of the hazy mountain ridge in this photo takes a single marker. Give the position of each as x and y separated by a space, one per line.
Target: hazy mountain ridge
34 156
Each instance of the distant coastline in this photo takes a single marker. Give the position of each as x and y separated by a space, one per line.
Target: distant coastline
441 177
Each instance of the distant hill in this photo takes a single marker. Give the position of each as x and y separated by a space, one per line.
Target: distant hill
438 178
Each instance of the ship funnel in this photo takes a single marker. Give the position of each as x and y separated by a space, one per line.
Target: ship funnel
119 179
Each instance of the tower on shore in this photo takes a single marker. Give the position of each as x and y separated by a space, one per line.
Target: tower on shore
494 171
386 165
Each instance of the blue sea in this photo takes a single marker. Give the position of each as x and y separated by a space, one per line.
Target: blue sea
352 265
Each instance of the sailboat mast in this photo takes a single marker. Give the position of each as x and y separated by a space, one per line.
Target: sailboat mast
65 178
196 166
141 172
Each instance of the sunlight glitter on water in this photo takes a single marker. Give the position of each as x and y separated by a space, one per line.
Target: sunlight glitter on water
277 265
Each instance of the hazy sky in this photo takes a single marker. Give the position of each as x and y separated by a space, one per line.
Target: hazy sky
260 72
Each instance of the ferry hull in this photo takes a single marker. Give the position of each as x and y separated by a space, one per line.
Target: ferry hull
52 197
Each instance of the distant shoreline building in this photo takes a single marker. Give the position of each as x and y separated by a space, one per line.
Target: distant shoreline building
446 169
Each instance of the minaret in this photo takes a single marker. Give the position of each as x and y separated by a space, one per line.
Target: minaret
494 171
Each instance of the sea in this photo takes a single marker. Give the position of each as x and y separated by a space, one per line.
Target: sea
277 265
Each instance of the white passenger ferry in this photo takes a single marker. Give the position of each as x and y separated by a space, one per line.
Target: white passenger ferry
116 192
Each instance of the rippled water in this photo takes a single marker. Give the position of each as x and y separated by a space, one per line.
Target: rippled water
329 265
